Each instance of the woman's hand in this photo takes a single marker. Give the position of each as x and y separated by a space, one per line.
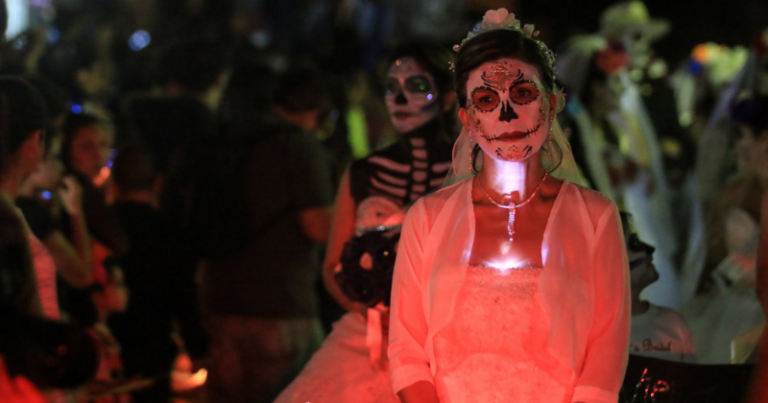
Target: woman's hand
419 392
71 195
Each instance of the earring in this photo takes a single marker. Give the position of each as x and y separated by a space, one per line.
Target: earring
549 144
549 138
471 149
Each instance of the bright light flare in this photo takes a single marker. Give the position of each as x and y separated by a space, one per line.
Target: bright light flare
139 40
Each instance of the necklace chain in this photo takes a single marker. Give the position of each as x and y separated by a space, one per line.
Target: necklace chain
512 206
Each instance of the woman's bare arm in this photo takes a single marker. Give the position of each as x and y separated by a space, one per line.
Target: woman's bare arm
342 230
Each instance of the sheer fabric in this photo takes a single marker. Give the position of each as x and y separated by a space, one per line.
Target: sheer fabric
583 288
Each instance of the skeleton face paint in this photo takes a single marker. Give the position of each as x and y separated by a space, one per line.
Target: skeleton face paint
506 110
637 42
411 95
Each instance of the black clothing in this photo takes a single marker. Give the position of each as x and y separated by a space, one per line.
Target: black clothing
275 274
38 217
99 218
166 126
160 276
18 293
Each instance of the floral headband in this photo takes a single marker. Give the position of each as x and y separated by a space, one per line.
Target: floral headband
503 19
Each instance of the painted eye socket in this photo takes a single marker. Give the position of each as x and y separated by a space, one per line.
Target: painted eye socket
523 93
485 99
391 86
418 84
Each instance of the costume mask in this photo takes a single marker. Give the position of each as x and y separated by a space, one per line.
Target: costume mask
506 110
637 42
411 95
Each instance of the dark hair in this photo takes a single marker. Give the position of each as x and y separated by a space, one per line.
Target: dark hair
62 61
193 63
301 89
56 103
22 112
431 57
133 169
752 112
247 99
498 44
56 99
73 123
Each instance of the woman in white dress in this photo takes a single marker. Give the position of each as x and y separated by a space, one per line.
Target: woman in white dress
351 365
728 305
511 285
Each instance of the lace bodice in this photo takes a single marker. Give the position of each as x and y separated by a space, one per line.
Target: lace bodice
482 354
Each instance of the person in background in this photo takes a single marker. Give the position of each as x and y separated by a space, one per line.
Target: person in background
72 259
419 98
656 141
190 75
24 145
85 151
44 193
728 282
760 378
82 63
159 271
264 321
657 331
590 73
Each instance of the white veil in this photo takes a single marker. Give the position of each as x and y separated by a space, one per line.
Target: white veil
562 165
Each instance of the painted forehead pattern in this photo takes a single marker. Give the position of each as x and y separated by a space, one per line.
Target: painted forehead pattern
500 77
503 70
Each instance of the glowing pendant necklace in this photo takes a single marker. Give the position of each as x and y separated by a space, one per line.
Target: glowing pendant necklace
512 206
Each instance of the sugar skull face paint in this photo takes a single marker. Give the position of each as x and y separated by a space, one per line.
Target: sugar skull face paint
506 109
411 95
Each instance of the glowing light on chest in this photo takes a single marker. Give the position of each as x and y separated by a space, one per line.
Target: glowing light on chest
505 262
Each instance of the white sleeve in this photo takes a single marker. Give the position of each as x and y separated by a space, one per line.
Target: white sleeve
607 346
408 360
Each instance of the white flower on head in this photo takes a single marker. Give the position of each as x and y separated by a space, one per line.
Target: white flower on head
503 19
497 17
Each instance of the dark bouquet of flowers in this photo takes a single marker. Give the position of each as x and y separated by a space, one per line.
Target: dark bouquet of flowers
367 262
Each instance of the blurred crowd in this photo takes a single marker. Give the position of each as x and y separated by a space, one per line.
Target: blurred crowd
169 171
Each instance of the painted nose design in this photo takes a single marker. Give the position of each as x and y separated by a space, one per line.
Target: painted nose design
400 99
507 112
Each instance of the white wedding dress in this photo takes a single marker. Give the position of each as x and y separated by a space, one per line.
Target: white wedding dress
732 307
342 371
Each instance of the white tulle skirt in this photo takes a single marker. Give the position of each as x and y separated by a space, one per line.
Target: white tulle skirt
341 371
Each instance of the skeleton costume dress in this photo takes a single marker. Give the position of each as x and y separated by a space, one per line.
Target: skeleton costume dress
349 367
407 170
